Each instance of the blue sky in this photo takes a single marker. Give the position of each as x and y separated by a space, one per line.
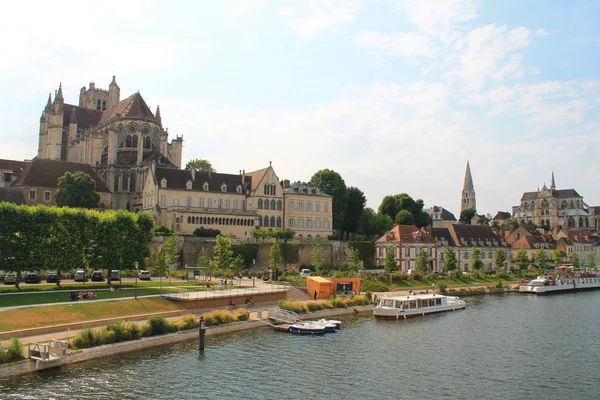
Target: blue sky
396 96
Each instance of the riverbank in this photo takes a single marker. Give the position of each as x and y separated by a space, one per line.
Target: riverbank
110 350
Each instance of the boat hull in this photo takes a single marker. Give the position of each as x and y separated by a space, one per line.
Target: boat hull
563 286
398 314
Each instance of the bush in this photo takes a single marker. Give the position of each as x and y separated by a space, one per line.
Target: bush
217 317
14 352
83 340
374 285
162 230
368 296
442 286
206 232
159 326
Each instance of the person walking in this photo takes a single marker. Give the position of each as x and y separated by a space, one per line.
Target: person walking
315 295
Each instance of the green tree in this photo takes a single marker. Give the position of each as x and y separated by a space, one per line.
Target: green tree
374 224
467 215
283 235
423 219
522 260
260 234
76 190
355 261
200 165
389 206
203 263
318 258
476 262
591 261
512 224
422 264
390 264
331 182
223 254
275 256
500 259
575 260
484 220
450 261
354 207
541 258
557 258
404 217
161 267
171 253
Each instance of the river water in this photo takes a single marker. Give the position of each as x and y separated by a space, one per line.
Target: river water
501 346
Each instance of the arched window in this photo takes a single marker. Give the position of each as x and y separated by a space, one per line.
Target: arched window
125 182
547 212
116 184
572 205
563 205
526 206
273 204
189 220
134 141
577 203
147 143
545 203
580 222
266 221
128 141
272 223
260 204
205 186
309 236
279 222
266 204
279 204
273 189
132 181
587 223
259 221
571 222
266 189
548 223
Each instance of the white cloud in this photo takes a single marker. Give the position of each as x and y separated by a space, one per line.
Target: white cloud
433 17
310 18
481 53
406 44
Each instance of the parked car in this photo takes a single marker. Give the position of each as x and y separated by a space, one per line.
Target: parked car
305 272
33 277
80 276
115 275
144 275
52 277
10 278
346 293
97 276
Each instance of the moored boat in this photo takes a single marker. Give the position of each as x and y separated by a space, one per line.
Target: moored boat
413 305
550 284
336 323
307 328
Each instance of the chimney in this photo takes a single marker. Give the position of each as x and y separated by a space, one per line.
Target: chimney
243 176
193 172
286 183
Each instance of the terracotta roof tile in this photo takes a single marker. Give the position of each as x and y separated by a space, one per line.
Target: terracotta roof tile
405 234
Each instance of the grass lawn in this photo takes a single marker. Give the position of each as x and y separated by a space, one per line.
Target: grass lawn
34 317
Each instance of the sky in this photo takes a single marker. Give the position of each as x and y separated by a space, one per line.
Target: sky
395 96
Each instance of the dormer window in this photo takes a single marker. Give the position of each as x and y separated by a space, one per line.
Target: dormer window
238 189
205 186
163 183
188 185
223 187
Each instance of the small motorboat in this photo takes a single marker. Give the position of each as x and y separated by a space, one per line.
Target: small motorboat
308 328
328 322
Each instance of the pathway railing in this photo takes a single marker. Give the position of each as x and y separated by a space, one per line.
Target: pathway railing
47 351
230 291
279 315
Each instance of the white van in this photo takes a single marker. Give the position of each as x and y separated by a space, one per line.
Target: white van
305 272
80 275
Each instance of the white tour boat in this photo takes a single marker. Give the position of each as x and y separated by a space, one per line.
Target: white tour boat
551 284
414 305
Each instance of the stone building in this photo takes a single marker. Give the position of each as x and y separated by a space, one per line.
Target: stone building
112 135
407 242
441 217
307 210
554 209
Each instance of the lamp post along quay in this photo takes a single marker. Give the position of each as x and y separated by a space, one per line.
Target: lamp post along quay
201 334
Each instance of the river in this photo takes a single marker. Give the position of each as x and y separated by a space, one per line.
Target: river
500 346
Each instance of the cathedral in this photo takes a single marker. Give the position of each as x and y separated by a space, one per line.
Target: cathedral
119 138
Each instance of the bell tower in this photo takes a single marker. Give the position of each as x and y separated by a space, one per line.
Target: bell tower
467 199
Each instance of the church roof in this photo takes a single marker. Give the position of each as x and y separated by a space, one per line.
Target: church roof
132 107
559 194
256 177
85 117
502 215
12 195
468 184
177 179
157 156
45 173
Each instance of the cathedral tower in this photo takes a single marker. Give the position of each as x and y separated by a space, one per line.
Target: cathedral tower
467 199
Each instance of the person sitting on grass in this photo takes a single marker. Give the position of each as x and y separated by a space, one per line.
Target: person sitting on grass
250 302
233 306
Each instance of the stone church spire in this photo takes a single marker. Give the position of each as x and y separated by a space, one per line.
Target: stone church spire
468 193
157 116
553 184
